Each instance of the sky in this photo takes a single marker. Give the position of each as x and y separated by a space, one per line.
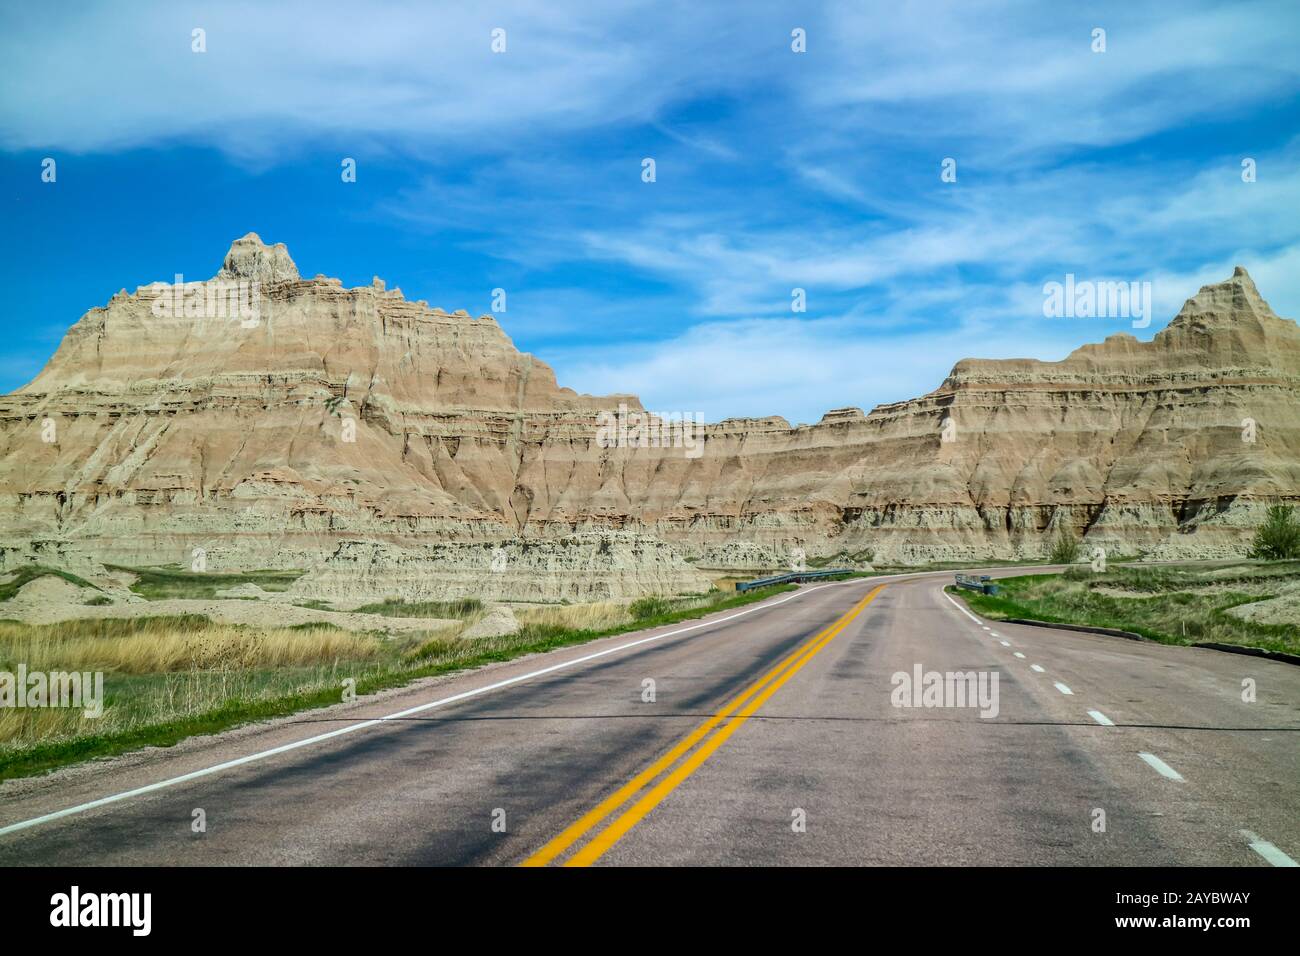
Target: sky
774 170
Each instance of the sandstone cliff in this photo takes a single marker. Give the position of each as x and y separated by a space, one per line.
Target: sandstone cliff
343 429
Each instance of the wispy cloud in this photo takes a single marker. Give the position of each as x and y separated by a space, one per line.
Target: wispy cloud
776 170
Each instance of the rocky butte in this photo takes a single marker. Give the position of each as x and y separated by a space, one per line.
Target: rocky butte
395 449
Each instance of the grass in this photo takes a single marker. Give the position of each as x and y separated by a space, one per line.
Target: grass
396 607
233 676
160 584
169 644
315 604
1169 605
649 607
30 572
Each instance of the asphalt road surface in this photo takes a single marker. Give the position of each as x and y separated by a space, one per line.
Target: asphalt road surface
769 735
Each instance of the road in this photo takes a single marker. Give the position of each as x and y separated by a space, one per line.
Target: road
771 738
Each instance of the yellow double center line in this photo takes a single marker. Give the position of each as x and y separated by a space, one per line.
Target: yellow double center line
743 707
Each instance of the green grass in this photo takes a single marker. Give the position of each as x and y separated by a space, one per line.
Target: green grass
159 584
650 607
1169 605
315 604
109 628
396 607
255 695
30 572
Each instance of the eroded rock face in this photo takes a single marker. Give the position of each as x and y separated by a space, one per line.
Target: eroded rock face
352 418
576 568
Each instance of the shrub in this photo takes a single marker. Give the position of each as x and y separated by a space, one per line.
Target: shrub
648 607
1066 548
1278 538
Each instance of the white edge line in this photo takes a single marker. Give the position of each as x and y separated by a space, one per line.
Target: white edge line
1160 766
1101 718
962 608
362 725
1267 850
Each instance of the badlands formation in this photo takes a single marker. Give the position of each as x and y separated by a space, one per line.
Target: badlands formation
393 449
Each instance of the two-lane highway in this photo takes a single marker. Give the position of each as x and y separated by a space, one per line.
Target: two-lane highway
766 735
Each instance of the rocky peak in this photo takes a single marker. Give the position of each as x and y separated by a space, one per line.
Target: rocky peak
1232 321
204 433
251 259
1228 302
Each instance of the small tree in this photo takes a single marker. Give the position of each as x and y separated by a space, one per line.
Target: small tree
1066 548
1278 538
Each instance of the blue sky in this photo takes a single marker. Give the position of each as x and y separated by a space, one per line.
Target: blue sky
775 170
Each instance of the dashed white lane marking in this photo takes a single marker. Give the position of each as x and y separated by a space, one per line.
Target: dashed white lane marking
1268 851
418 709
994 634
1265 849
1160 767
1018 654
1005 643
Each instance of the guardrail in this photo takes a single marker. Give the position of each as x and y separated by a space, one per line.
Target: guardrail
793 577
973 583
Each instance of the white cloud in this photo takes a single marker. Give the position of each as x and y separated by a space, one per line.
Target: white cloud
392 74
800 368
1021 78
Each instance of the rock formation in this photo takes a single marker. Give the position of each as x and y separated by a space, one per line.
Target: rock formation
262 420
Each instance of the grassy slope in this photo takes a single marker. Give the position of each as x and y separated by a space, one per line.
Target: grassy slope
158 584
1163 604
31 572
438 656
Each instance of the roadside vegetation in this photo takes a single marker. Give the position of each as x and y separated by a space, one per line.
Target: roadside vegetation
1065 550
1278 538
169 678
1173 605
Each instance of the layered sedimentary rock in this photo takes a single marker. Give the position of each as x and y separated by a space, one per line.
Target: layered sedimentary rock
591 566
326 422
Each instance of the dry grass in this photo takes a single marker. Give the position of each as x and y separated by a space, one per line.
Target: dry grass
166 645
48 723
597 616
171 678
172 668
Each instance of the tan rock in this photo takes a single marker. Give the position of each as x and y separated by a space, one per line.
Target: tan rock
391 447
